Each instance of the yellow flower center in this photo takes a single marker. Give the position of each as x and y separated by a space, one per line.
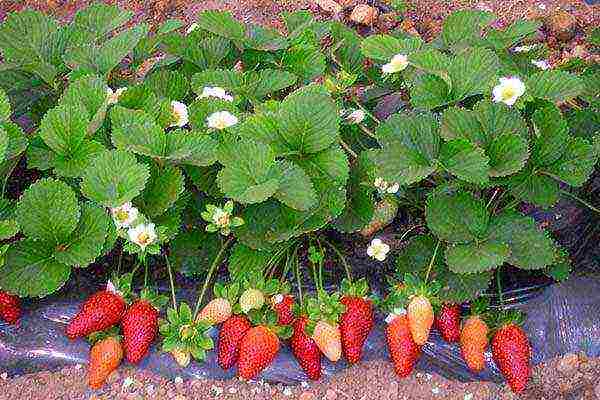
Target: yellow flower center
508 93
143 238
121 215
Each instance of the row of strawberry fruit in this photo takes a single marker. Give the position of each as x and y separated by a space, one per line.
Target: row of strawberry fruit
253 323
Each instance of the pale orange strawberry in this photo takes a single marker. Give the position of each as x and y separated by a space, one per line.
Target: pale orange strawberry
216 311
473 342
105 357
420 318
329 340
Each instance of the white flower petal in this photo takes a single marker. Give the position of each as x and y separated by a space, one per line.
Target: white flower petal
217 92
398 63
394 188
191 28
508 90
142 235
541 64
180 114
356 117
221 120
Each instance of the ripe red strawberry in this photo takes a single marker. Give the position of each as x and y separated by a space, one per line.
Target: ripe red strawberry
283 304
403 349
99 312
512 354
10 307
140 326
231 334
447 322
258 349
355 325
306 350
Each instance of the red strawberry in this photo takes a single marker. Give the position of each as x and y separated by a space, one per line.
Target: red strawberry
355 325
447 322
512 354
403 349
282 304
140 326
99 312
231 334
306 350
10 307
258 349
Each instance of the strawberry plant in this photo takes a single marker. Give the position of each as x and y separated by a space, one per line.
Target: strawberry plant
235 142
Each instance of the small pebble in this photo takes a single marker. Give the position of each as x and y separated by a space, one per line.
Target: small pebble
217 390
435 390
150 390
287 391
307 396
232 390
178 380
304 384
4 376
330 394
127 382
468 396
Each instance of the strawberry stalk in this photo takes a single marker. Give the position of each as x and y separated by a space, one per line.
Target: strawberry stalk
211 271
430 266
171 283
341 257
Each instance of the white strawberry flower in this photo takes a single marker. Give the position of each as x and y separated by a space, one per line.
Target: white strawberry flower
278 298
384 187
541 64
124 215
378 250
143 235
221 120
221 218
508 90
356 116
180 114
191 28
112 97
398 63
524 49
215 91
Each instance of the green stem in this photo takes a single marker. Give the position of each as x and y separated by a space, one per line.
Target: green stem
173 297
492 198
348 149
120 261
373 117
499 287
211 270
298 278
437 246
585 203
367 131
409 230
342 259
145 274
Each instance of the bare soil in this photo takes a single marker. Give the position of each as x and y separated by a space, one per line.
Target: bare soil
570 377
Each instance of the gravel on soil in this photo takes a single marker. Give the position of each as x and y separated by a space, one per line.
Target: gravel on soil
573 376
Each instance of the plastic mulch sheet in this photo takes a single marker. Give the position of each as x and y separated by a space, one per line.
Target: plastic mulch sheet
562 318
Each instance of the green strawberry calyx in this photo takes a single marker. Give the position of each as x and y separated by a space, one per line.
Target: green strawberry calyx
359 288
267 317
96 337
181 333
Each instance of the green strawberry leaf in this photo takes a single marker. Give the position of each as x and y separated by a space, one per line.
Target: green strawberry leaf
87 241
51 224
114 178
30 270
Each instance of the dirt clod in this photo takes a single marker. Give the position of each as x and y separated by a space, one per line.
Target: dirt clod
364 14
329 6
562 25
